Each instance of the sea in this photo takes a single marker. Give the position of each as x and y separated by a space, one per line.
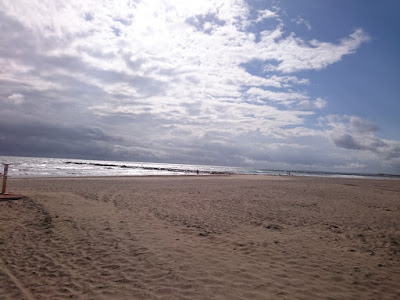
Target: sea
20 167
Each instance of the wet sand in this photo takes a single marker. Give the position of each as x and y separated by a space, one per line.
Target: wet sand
201 237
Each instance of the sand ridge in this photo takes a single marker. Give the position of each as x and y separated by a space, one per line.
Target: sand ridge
206 237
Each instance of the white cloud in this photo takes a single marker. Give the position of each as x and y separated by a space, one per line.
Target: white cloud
318 103
266 14
16 99
301 21
293 54
286 98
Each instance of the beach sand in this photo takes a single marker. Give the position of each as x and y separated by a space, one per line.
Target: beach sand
201 237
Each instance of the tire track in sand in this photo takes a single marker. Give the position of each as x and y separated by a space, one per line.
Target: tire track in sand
27 294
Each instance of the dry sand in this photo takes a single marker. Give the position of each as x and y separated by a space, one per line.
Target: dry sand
201 237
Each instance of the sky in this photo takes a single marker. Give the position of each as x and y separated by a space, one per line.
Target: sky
305 85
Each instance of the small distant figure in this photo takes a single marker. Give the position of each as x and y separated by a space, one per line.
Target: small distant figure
197 172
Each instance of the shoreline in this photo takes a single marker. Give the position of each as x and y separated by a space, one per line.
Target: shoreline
201 237
349 177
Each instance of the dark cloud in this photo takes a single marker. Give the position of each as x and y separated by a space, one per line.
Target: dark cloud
361 135
356 141
13 36
394 153
363 126
47 139
347 141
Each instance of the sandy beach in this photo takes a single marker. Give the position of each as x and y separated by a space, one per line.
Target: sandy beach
201 237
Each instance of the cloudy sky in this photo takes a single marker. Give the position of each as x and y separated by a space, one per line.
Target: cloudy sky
270 84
